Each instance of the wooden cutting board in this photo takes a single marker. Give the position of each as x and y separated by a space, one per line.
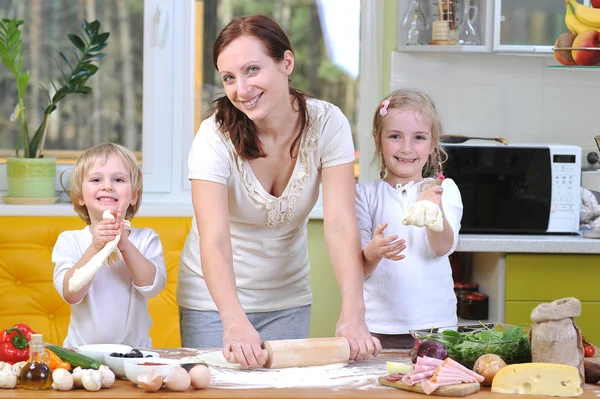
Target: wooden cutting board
464 389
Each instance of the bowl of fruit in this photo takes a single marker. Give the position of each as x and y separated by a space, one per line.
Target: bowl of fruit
466 344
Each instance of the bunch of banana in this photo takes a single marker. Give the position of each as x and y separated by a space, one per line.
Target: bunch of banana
580 18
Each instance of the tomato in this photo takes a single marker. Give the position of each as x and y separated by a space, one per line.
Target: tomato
589 350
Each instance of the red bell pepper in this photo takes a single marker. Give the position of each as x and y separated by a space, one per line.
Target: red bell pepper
14 343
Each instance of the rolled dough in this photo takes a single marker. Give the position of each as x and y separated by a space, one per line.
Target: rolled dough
216 359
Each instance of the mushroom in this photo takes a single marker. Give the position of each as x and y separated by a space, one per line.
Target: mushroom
77 375
150 381
62 380
8 379
91 380
178 379
200 376
107 377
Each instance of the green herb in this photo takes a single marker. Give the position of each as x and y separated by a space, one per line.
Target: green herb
511 345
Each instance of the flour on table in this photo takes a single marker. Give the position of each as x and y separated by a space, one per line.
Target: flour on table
333 376
216 359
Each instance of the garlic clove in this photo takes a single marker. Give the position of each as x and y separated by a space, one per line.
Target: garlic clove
200 376
151 381
178 379
62 380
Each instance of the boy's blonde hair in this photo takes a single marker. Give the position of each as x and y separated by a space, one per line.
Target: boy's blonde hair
424 106
102 153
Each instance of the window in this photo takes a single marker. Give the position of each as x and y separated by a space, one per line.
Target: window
113 111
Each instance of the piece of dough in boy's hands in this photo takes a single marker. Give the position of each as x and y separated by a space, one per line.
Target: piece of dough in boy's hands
424 213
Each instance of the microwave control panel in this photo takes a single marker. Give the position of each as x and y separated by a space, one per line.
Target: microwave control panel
566 182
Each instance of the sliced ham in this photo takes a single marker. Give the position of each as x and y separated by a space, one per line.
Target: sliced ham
429 361
454 364
414 378
453 373
419 368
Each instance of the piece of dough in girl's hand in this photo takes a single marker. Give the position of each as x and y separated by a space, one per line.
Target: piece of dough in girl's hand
424 213
86 273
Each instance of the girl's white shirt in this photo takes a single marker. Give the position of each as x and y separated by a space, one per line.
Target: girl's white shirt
115 310
268 233
417 291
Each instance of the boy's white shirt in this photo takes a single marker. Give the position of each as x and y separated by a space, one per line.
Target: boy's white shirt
114 310
417 291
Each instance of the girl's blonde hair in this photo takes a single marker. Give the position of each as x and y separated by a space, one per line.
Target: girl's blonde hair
102 153
424 106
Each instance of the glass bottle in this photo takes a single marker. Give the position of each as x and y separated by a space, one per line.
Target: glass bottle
414 13
467 34
414 33
36 374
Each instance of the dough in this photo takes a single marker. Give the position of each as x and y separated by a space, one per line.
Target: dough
424 213
216 359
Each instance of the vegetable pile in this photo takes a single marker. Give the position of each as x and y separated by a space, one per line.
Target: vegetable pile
512 345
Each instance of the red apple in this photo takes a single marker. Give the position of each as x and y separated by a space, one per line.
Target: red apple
564 56
595 3
588 38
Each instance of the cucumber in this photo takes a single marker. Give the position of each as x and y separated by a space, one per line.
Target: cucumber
73 358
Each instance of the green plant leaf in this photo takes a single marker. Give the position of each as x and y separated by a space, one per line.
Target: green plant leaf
91 28
77 42
22 82
98 47
101 38
84 90
65 59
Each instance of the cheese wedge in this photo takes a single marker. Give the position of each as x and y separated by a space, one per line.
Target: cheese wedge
546 379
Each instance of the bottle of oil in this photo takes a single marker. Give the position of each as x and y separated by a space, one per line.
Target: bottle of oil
36 374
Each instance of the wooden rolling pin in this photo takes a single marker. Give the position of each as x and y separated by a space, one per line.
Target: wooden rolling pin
304 352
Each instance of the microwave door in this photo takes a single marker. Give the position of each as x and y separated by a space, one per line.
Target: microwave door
504 190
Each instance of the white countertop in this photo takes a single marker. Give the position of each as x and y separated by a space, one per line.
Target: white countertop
573 244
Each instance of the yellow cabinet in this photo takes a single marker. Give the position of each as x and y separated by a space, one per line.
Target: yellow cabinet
532 279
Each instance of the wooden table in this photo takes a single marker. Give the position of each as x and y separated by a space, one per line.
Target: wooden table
125 389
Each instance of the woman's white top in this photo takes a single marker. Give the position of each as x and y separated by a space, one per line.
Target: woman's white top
417 291
115 310
268 233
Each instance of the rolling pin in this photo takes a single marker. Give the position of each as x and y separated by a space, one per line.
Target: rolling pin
304 352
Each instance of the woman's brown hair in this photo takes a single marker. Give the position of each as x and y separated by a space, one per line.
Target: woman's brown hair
424 105
231 120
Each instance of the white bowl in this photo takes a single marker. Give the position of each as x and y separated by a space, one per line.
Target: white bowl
97 351
116 363
133 370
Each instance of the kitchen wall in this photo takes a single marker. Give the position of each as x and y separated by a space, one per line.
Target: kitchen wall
515 97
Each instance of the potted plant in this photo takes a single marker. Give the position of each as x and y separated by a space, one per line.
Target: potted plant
31 176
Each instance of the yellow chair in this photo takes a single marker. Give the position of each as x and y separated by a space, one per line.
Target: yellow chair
27 293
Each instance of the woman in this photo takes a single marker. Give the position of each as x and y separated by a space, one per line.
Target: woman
255 166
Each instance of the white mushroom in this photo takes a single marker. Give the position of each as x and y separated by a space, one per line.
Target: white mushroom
5 366
8 379
62 380
200 376
107 377
17 367
91 380
177 379
77 375
151 381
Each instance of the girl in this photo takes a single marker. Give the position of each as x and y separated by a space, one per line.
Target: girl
408 280
113 307
256 165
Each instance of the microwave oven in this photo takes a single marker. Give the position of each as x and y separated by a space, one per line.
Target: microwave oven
517 188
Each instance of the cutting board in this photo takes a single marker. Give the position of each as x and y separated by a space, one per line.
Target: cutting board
464 389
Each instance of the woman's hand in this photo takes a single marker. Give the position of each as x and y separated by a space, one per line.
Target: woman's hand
105 231
362 344
433 194
242 344
386 247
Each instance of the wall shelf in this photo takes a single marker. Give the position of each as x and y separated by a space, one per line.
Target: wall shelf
445 49
572 68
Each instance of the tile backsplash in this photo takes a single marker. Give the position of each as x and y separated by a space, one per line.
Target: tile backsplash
515 97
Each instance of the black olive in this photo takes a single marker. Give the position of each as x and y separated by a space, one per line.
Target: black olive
115 354
136 353
149 356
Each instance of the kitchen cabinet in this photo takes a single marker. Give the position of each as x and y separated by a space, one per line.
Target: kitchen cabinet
532 279
505 26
